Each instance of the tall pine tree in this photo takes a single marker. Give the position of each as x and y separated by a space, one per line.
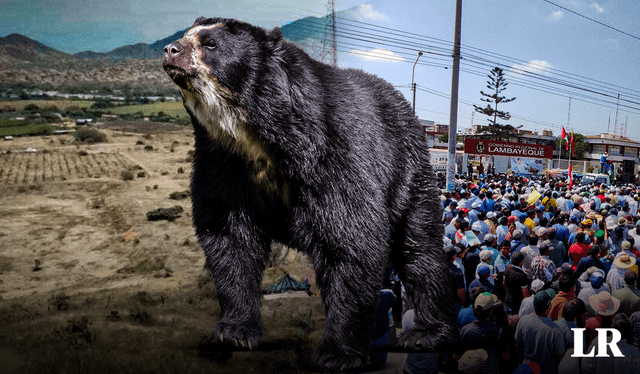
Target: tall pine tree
497 84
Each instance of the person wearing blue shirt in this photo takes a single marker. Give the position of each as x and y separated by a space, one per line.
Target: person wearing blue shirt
562 231
489 203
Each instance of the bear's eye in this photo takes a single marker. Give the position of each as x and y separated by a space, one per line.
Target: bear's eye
210 45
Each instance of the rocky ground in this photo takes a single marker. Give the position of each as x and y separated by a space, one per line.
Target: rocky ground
89 285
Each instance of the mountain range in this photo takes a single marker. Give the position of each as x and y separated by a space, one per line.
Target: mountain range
23 48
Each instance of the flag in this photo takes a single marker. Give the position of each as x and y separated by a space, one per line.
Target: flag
570 175
564 134
573 146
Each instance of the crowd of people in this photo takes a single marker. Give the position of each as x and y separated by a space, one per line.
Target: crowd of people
531 259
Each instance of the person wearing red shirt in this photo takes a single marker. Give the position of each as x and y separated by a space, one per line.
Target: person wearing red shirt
579 250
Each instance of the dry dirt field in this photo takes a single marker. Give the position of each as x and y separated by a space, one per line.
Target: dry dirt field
89 285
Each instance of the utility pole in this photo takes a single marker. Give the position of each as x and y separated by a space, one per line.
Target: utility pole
453 110
413 85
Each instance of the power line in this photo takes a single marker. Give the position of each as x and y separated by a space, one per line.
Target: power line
592 20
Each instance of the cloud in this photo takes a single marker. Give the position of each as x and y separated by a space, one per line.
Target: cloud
378 55
597 7
534 66
366 12
555 15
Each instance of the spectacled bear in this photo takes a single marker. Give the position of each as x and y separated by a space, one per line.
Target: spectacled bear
330 161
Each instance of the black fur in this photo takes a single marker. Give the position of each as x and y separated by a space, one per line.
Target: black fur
346 181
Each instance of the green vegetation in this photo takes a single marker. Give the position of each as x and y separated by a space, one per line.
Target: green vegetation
169 108
29 129
88 135
19 105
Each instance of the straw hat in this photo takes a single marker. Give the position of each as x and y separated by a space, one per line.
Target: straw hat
624 261
592 215
604 304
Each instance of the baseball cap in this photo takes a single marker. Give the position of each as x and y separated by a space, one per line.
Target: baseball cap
485 301
483 270
536 285
597 278
566 269
541 300
471 361
517 234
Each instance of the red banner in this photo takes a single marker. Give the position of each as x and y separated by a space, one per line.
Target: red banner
498 148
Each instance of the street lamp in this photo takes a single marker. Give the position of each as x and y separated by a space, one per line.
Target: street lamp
413 85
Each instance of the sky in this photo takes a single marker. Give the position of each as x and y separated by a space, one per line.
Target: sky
592 47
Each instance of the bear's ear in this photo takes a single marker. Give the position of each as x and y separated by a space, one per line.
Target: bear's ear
274 35
199 21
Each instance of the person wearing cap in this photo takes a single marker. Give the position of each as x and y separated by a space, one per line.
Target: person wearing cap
485 334
484 274
573 225
541 266
567 292
516 284
538 338
491 222
526 307
578 250
622 263
589 261
628 295
593 286
517 240
490 244
473 213
456 278
610 365
465 315
471 361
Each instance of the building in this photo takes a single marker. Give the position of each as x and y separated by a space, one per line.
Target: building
434 131
622 151
545 137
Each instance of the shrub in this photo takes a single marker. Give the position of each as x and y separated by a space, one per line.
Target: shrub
127 175
88 135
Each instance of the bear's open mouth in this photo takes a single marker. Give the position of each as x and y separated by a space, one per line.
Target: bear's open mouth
177 74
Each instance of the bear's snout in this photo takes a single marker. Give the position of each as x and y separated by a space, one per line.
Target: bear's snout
172 49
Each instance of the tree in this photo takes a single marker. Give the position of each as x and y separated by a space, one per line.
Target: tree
497 84
581 146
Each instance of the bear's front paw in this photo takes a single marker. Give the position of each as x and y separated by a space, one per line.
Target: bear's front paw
421 338
244 336
334 361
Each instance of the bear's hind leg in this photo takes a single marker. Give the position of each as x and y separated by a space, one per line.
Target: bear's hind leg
419 259
349 290
237 262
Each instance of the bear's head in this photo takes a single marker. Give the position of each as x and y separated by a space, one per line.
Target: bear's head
216 65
